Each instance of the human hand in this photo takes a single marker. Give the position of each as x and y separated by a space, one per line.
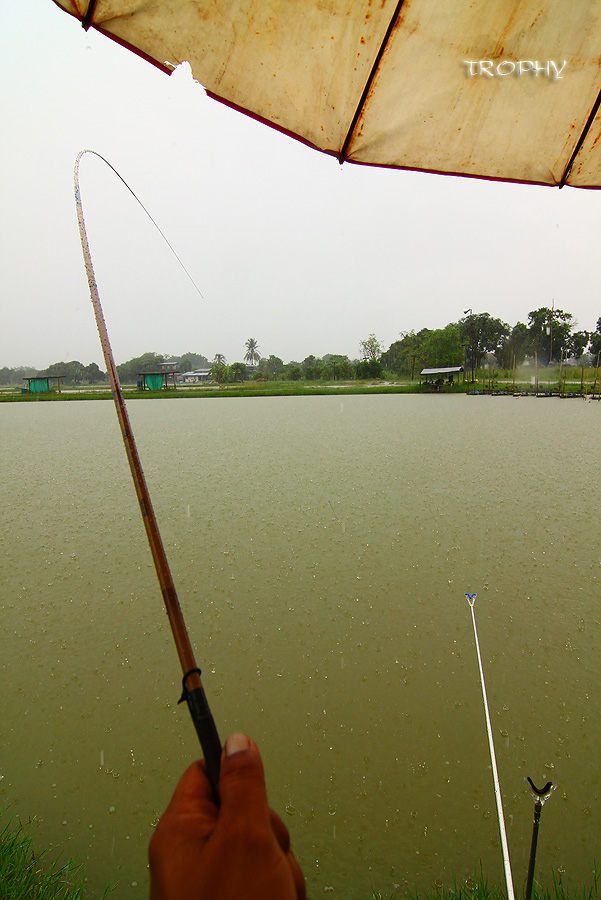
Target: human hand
200 851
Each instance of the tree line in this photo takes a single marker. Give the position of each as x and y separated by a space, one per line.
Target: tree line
75 373
549 336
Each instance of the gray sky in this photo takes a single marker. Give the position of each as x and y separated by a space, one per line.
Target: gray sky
284 244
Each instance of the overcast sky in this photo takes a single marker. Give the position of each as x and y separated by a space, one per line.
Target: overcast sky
285 245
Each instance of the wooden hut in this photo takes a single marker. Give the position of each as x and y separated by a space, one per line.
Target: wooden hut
156 381
40 384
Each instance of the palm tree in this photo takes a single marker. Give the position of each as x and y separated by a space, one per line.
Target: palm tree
252 355
219 358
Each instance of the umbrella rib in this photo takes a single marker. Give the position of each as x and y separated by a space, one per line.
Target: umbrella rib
87 19
393 21
581 140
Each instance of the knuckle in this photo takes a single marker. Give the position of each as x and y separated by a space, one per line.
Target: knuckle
253 838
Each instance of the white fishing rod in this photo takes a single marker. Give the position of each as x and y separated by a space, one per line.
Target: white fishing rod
471 599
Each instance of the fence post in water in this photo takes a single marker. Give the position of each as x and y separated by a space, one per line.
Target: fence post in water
540 796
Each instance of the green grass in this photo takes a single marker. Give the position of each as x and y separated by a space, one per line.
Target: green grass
478 888
26 875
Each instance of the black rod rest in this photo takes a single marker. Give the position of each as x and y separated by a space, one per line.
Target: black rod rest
540 792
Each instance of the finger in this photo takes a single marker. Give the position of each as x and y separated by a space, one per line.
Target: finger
283 838
242 784
298 877
190 815
193 792
280 831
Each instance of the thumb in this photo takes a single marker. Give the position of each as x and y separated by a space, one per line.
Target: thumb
242 783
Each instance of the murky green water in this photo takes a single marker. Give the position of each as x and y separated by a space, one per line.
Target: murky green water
322 548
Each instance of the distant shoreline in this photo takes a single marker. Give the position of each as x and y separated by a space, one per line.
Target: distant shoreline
293 389
278 390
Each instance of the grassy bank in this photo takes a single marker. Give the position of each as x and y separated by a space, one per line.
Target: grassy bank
524 382
478 888
28 875
250 389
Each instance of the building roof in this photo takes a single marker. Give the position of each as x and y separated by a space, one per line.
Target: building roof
41 377
447 370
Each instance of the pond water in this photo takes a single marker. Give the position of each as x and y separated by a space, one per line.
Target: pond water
321 548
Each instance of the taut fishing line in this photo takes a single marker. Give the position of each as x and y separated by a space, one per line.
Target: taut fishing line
471 599
193 691
137 199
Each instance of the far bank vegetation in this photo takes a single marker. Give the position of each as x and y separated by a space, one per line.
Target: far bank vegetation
478 342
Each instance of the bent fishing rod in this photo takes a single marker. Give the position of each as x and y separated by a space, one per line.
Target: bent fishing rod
193 691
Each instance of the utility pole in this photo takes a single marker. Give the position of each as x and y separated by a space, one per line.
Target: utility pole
470 313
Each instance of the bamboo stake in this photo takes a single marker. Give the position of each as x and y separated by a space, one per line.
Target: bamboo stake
561 385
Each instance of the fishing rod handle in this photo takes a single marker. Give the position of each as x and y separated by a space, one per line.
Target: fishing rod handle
208 736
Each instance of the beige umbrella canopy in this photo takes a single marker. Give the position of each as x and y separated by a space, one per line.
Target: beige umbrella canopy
498 89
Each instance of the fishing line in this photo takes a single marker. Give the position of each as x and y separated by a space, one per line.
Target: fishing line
193 691
137 199
471 599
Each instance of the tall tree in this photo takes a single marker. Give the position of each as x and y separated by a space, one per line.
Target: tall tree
550 331
369 368
252 355
16 375
482 334
273 367
336 367
312 368
578 343
94 375
74 372
515 346
402 356
220 359
595 346
189 361
370 348
442 347
238 371
148 362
